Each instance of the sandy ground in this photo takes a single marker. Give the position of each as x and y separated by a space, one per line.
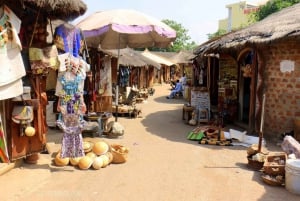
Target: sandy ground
163 166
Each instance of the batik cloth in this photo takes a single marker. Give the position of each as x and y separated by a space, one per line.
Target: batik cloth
68 39
72 145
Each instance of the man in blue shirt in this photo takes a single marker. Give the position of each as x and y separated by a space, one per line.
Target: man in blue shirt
178 88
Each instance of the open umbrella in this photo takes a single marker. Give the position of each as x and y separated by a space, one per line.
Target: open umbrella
121 28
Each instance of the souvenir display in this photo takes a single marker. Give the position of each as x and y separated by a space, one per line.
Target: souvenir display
69 89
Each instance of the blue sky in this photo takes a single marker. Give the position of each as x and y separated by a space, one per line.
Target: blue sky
197 17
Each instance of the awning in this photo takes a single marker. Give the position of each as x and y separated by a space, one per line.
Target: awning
130 57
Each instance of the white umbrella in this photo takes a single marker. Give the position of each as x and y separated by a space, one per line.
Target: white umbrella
121 28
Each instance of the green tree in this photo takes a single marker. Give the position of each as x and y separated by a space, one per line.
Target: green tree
270 7
182 41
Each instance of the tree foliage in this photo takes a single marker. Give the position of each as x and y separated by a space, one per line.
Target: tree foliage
272 6
182 41
220 32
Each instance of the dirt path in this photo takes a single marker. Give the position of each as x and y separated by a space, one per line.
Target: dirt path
163 166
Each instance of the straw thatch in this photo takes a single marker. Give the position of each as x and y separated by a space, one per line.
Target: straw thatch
282 24
55 9
159 57
130 57
183 57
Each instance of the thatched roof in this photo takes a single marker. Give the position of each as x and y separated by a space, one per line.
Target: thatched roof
183 57
130 57
158 57
282 24
55 9
167 55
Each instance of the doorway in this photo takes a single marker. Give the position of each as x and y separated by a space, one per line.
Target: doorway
247 61
245 99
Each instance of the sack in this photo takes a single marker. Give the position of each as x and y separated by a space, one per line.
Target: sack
43 59
22 114
115 129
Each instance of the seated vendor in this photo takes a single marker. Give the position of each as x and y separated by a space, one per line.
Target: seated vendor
178 89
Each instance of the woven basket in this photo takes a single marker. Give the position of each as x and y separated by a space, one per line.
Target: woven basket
255 165
119 152
272 180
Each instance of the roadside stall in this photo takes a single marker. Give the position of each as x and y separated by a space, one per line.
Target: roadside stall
23 95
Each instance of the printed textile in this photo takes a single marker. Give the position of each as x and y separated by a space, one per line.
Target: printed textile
72 145
68 39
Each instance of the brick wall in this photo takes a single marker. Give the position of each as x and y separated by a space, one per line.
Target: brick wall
282 89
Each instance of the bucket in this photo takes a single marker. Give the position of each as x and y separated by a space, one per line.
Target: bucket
292 175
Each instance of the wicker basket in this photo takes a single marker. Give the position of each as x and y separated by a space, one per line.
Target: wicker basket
275 164
119 152
254 165
272 180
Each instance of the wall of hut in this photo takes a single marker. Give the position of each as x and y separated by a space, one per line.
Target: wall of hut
280 64
282 89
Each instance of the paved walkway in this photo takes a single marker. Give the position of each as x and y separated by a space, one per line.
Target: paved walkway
163 166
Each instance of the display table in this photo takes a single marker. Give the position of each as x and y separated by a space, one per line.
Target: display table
187 111
131 111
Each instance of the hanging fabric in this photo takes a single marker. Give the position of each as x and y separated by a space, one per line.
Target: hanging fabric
11 62
70 89
68 39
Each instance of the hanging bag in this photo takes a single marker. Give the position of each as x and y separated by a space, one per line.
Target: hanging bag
43 59
23 115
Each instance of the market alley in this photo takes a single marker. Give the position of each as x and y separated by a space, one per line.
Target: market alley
163 165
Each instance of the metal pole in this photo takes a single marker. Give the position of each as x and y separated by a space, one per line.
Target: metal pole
117 86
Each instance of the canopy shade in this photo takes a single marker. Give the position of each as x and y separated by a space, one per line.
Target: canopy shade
120 28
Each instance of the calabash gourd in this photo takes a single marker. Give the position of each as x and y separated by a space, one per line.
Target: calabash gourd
98 163
100 148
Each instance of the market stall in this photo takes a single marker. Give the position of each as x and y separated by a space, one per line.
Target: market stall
27 41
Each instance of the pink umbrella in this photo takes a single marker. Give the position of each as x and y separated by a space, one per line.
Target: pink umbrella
117 29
